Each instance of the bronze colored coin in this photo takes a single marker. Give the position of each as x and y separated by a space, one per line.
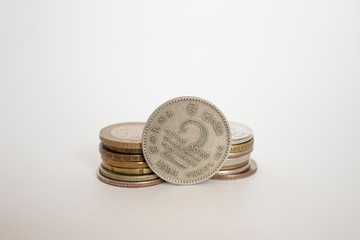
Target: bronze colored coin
123 136
129 184
120 156
230 167
247 173
124 164
234 171
242 147
126 178
240 154
123 150
127 171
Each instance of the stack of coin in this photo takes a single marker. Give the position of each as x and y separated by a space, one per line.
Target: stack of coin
239 163
123 163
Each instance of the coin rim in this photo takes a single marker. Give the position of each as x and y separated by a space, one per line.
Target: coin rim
246 145
109 140
126 178
234 171
251 171
128 184
126 170
121 157
124 164
241 140
157 111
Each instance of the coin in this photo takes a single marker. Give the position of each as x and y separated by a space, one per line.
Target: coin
127 178
120 156
230 167
234 171
124 164
236 161
123 137
239 154
239 133
186 140
127 171
242 147
252 169
129 184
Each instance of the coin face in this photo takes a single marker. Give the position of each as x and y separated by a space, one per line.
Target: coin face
240 133
125 136
186 140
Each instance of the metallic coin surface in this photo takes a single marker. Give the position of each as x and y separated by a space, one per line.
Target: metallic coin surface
239 154
127 171
234 171
239 133
230 167
123 150
236 161
120 156
129 184
126 178
186 140
242 147
124 164
252 169
123 136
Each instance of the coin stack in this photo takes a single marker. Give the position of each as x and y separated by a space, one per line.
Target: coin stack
238 164
123 163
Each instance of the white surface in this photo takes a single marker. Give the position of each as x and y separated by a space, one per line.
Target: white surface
288 69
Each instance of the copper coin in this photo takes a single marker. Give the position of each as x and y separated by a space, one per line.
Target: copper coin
120 156
129 184
124 137
248 173
124 164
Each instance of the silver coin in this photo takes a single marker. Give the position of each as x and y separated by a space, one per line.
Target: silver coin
240 133
238 160
186 140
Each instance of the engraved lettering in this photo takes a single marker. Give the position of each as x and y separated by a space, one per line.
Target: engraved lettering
166 168
192 109
208 117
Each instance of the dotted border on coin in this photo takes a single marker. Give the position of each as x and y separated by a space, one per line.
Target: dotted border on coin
166 104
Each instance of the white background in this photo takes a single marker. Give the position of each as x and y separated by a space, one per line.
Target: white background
288 69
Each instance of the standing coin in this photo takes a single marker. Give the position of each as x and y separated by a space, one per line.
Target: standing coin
186 140
239 133
123 137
